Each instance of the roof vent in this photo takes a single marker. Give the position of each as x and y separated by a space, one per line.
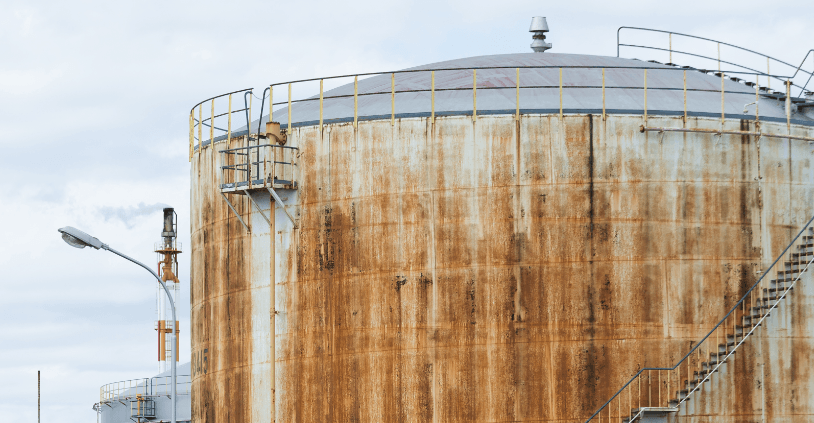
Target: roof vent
539 27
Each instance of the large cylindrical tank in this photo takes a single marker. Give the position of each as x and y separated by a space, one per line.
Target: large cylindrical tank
456 266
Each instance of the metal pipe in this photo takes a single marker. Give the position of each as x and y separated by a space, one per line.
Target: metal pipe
355 100
392 99
717 132
320 104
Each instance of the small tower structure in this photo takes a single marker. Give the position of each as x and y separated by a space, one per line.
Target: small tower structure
168 249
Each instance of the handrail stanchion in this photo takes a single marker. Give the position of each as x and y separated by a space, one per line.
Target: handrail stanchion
604 115
517 96
432 90
212 123
723 103
757 104
645 97
229 127
191 135
321 86
392 99
356 101
474 95
788 105
288 112
685 98
560 94
200 127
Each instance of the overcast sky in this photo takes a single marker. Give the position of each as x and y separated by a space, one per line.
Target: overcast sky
94 103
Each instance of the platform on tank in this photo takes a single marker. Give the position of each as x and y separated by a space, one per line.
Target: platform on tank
257 184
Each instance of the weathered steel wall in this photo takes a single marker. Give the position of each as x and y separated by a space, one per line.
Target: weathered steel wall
769 379
481 271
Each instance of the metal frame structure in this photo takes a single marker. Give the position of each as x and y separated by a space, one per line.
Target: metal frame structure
670 34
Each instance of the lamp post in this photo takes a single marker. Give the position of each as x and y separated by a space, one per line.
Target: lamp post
76 238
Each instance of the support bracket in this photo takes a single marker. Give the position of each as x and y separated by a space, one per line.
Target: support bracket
248 194
235 211
282 206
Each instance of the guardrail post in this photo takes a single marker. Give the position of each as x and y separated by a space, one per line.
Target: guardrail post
604 115
355 101
191 134
432 91
212 123
229 127
517 95
320 104
288 129
685 98
474 95
200 127
645 97
392 99
560 94
723 104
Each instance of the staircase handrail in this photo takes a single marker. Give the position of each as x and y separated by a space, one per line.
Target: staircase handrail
734 308
778 77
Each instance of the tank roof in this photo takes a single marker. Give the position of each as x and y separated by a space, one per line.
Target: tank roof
582 81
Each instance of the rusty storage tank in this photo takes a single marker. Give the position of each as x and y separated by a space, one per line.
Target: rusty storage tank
495 238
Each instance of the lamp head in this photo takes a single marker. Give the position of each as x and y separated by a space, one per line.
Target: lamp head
78 239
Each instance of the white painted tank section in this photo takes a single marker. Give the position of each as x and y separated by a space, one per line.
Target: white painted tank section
262 336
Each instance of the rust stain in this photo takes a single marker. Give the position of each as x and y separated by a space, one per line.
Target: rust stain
498 270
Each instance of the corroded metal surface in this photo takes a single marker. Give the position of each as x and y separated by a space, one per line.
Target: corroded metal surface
481 271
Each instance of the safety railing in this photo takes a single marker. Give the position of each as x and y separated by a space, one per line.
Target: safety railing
154 386
651 387
263 165
219 123
769 59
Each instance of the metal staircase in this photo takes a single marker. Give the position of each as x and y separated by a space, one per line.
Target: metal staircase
648 393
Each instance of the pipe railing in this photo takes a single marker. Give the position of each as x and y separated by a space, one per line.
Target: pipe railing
154 386
697 364
670 50
222 120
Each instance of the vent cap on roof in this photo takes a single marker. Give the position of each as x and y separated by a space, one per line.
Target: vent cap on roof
539 27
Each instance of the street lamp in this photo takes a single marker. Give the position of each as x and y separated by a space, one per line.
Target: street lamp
78 239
